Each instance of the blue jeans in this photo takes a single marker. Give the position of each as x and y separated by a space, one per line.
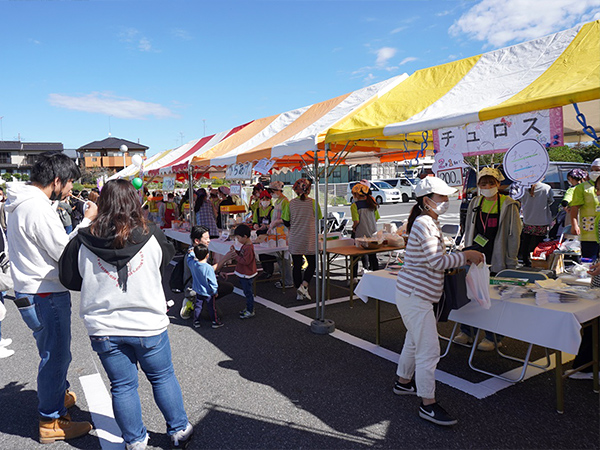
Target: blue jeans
248 292
49 317
120 356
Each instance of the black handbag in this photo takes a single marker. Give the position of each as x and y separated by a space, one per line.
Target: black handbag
454 295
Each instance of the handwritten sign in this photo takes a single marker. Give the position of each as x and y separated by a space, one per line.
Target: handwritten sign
168 184
526 163
498 135
452 177
235 189
264 166
239 171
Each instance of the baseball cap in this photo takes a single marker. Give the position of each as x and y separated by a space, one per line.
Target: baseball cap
490 172
433 185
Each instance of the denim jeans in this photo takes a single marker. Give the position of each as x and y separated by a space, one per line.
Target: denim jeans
120 356
248 292
49 317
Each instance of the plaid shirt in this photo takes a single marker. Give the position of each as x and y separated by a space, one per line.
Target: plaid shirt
206 217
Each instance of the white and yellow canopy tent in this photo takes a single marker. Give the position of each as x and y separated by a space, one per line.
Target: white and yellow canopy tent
553 71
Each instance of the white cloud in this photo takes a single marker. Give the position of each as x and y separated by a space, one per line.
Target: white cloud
407 60
181 34
133 36
144 45
104 103
398 30
369 78
444 13
383 55
34 41
501 22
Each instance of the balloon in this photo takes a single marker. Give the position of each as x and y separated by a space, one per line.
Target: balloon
123 148
137 183
137 160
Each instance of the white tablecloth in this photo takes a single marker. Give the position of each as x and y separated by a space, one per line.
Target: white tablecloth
222 247
554 325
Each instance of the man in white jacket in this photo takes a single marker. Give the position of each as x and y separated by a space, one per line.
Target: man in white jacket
36 239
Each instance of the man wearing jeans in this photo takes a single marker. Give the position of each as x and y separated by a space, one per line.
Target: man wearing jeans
36 239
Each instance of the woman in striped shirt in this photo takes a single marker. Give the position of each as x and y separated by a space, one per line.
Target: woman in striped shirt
418 287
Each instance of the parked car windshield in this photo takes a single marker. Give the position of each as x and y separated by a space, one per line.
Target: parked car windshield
382 185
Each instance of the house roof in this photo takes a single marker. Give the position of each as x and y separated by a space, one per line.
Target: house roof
31 146
113 143
10 145
43 146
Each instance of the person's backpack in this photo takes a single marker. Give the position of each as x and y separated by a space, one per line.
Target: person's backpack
176 281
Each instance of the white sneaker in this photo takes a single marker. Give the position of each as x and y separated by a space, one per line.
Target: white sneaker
5 352
303 290
139 445
182 438
487 346
5 342
299 297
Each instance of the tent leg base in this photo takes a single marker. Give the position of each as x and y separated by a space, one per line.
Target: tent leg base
325 326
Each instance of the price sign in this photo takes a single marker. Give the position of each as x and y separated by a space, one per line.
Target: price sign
235 189
168 184
239 171
452 177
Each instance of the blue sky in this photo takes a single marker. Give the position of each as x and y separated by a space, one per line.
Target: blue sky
164 72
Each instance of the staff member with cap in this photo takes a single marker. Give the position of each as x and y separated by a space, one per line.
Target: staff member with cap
419 285
585 211
493 226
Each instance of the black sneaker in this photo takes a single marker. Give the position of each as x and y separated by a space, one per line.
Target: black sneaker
405 389
436 414
196 324
217 324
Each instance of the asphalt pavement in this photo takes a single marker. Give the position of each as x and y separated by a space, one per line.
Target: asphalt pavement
269 382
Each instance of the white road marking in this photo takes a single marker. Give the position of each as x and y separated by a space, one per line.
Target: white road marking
478 390
100 407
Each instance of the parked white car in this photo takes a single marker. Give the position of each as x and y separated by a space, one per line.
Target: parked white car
381 191
404 185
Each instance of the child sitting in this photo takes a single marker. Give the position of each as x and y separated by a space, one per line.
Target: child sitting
204 284
245 269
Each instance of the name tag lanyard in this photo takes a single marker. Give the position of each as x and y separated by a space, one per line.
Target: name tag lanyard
488 214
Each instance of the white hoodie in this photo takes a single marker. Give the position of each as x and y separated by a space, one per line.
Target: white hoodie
36 239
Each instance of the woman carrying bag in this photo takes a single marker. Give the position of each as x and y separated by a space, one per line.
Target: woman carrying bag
419 285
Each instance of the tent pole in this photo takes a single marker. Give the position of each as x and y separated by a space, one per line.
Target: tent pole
321 325
191 197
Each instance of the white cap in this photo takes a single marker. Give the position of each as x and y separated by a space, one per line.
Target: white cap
433 185
596 163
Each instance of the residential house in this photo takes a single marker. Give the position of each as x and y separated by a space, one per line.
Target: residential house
107 153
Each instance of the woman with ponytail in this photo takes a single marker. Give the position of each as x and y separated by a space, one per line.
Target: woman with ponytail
364 217
419 285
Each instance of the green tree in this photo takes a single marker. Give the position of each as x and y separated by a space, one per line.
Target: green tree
16 176
565 153
24 177
588 152
7 177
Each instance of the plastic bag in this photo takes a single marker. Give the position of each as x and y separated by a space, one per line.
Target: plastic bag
478 284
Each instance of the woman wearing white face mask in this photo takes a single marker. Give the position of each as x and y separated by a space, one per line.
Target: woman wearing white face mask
418 287
493 226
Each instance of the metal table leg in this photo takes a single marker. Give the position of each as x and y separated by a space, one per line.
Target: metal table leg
560 398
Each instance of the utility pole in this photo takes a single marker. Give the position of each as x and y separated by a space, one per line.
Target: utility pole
1 130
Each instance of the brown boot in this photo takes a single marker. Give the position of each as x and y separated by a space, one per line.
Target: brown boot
61 429
70 399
